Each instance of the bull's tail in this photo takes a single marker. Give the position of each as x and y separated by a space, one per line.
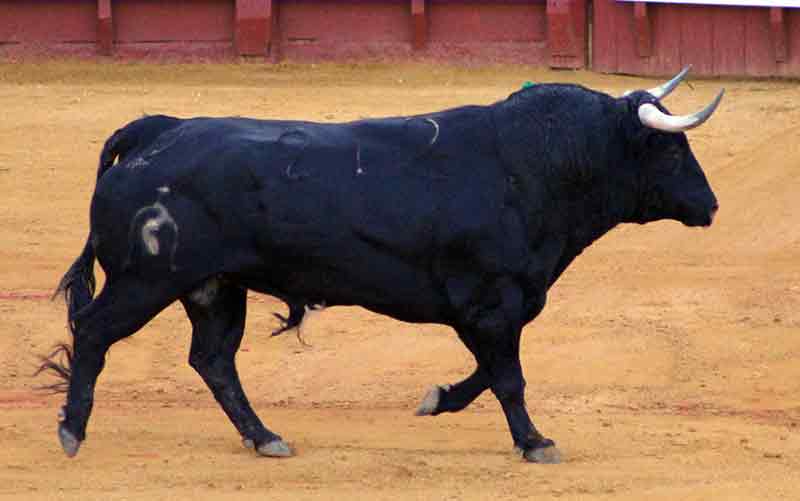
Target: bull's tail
78 287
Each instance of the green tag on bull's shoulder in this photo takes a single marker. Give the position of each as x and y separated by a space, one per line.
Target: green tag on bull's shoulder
528 84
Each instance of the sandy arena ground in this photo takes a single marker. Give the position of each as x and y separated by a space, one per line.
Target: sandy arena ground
666 365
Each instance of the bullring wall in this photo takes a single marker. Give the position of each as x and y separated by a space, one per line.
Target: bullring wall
604 35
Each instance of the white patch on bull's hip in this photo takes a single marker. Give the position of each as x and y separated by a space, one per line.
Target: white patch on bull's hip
206 293
149 236
152 226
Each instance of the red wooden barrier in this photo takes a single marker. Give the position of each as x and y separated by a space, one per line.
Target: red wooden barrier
49 26
659 39
627 37
566 32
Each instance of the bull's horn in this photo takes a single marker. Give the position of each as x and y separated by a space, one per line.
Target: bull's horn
666 88
654 118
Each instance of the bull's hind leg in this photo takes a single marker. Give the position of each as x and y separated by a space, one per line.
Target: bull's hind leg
217 312
121 309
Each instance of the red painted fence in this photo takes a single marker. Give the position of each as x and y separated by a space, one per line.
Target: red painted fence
626 37
659 39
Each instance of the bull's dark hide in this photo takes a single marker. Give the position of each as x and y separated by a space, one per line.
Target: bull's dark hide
464 217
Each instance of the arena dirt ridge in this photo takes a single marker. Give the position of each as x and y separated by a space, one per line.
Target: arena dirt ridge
666 365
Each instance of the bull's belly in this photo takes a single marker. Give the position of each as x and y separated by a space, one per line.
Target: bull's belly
383 285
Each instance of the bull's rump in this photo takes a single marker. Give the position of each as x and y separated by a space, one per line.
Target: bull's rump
348 213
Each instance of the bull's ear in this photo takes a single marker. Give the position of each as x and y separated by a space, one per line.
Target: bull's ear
652 117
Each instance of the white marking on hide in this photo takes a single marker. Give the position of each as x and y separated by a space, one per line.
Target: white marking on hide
149 237
436 132
137 163
359 170
151 227
163 190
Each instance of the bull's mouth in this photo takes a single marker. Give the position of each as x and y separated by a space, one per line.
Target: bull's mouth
712 214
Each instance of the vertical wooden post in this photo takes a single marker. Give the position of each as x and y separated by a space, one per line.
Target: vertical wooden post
105 28
777 21
566 33
644 32
252 27
419 24
273 31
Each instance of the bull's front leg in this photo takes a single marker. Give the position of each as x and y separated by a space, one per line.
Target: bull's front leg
455 397
493 336
508 385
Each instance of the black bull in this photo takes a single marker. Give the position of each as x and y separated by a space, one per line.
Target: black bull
464 217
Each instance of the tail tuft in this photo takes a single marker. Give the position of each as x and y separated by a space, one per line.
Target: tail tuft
59 364
78 284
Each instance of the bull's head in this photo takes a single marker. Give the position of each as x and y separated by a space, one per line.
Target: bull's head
672 183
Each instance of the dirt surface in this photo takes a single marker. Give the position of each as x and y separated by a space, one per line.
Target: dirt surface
666 364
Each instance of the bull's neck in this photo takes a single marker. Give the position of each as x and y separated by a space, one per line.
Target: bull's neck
572 196
589 217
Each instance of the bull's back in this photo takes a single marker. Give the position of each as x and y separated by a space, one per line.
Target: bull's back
340 213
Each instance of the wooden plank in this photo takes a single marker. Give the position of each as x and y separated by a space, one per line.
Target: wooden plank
273 31
759 54
566 33
46 22
667 22
604 54
419 24
729 41
625 39
792 66
579 25
181 21
252 27
316 30
105 28
481 30
779 35
697 42
644 31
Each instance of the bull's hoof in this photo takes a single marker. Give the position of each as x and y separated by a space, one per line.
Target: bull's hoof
275 449
69 442
548 453
430 403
